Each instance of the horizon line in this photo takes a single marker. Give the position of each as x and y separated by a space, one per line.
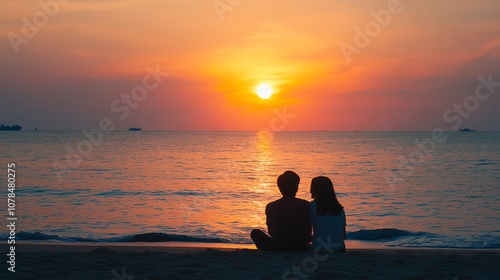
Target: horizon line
251 131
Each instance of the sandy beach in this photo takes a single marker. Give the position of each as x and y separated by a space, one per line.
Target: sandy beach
157 261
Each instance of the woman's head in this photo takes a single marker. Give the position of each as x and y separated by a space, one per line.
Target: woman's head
321 186
313 191
323 193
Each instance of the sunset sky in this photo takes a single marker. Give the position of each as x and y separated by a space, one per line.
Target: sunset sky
63 66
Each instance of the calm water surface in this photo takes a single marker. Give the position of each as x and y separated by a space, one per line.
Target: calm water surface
213 186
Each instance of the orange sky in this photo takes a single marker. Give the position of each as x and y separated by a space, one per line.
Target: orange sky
65 71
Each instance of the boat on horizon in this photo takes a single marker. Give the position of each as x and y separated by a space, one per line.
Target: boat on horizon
15 127
467 130
134 129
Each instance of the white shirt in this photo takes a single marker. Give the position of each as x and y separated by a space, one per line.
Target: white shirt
329 229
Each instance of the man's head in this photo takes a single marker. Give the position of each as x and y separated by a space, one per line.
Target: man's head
288 183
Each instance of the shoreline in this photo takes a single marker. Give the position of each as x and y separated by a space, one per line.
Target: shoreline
50 260
195 247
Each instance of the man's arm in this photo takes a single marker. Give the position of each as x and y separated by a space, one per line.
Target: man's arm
271 228
309 224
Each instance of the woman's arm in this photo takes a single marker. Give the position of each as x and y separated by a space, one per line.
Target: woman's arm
345 224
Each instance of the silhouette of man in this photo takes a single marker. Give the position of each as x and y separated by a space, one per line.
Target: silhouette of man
287 219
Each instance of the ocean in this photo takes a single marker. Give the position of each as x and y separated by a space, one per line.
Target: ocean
403 189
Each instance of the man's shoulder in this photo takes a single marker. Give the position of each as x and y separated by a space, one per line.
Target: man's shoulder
274 203
300 201
304 204
287 201
303 201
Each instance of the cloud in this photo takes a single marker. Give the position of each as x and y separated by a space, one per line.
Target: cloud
92 51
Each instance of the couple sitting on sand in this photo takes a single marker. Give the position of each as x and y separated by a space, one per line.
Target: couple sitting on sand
289 219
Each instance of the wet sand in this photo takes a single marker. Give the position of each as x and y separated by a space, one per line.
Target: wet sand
235 261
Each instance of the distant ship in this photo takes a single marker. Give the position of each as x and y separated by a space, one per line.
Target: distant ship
134 129
15 127
467 130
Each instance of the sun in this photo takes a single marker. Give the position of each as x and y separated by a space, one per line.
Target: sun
264 91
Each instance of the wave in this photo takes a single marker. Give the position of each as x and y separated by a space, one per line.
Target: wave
402 238
38 236
386 236
382 234
143 237
164 237
46 191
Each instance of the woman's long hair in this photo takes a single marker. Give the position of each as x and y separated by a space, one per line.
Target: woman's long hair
324 194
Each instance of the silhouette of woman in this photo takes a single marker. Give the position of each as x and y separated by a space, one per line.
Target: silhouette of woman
327 217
